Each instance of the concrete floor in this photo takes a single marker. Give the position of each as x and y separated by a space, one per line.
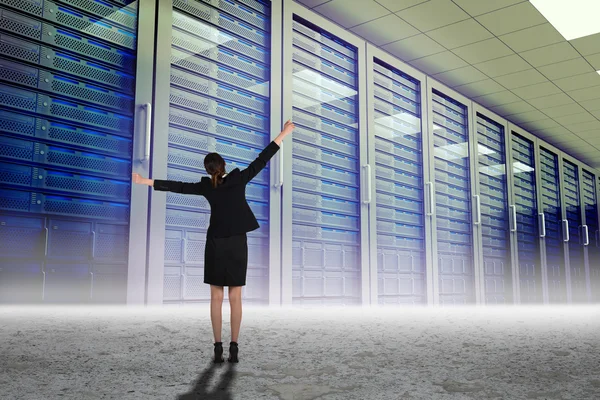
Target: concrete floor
302 354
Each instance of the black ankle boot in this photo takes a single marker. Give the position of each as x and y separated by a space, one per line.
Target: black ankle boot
233 352
219 352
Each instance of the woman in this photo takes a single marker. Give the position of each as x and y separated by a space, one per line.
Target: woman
226 251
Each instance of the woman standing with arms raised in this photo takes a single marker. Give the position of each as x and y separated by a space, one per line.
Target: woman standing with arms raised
226 252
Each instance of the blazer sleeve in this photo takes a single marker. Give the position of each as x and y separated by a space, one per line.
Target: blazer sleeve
179 187
261 161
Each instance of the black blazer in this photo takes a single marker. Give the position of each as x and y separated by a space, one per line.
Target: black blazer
230 213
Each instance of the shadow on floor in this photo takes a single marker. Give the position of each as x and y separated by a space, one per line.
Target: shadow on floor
220 391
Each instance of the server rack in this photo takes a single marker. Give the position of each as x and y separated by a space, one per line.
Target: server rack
525 170
68 117
397 123
455 226
219 101
576 233
494 202
554 267
590 205
325 257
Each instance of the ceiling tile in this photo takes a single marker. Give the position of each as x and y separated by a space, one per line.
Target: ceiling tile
530 116
478 7
560 111
313 3
585 126
460 76
480 88
483 51
433 14
437 63
397 5
560 133
550 54
349 13
564 69
578 81
497 99
587 45
591 93
520 79
513 108
542 124
379 33
503 66
551 101
413 47
538 90
590 135
460 34
596 113
513 18
532 38
591 105
594 59
575 119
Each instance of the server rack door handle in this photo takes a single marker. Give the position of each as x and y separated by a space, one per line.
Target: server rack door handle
566 237
477 209
46 243
368 196
148 108
430 194
586 236
513 218
542 225
184 250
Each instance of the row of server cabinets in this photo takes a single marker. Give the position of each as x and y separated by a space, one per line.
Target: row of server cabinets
392 190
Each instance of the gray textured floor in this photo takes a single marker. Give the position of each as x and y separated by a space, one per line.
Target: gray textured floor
302 354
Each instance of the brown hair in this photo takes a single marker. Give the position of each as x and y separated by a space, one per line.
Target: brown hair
215 167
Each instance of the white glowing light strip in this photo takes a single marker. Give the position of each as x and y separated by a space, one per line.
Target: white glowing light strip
572 18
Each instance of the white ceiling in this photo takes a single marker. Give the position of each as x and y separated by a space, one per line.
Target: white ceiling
502 54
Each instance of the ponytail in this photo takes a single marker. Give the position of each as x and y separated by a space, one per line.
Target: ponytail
215 167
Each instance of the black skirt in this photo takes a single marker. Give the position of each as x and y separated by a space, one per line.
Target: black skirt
226 261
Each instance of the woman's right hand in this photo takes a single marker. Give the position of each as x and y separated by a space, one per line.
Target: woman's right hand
140 180
288 127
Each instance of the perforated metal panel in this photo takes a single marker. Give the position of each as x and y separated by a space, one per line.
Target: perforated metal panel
326 174
493 190
66 121
551 200
399 186
219 103
590 202
573 210
453 200
528 248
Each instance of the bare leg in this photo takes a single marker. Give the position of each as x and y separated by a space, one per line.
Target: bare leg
235 301
216 305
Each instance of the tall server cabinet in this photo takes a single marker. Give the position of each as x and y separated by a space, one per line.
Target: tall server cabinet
494 214
590 205
576 235
325 237
217 55
551 225
67 121
525 187
455 278
396 105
